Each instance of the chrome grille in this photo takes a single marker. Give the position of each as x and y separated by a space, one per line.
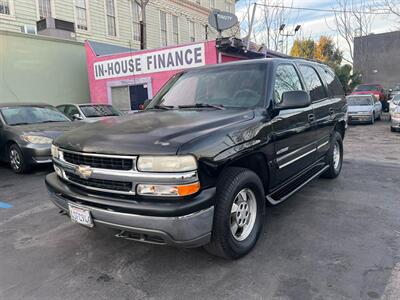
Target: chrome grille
110 185
101 162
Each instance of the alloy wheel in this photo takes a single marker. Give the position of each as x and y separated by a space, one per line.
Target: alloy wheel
243 214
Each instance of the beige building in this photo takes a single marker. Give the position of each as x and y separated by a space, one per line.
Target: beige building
168 22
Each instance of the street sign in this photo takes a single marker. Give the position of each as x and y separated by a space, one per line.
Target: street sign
222 20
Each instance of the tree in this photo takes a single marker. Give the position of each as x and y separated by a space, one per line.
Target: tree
351 20
348 78
327 52
304 48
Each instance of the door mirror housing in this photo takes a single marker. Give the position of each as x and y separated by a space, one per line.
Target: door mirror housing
76 117
294 99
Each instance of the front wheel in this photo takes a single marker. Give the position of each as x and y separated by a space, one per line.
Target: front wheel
334 157
238 215
16 159
372 119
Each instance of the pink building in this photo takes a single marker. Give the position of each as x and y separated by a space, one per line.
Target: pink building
126 78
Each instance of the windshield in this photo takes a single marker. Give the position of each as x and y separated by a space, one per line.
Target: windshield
396 99
364 88
96 111
359 101
21 115
239 87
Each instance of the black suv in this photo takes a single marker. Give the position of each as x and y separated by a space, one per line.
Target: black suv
199 165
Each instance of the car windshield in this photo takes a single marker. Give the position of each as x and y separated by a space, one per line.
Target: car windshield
352 101
21 115
241 86
396 99
367 87
96 111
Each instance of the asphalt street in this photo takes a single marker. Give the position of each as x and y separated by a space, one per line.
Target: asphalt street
335 239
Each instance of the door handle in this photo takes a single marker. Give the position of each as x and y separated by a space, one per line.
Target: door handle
311 118
331 110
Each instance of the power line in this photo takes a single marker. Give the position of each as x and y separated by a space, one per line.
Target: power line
319 9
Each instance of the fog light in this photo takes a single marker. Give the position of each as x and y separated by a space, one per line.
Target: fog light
168 190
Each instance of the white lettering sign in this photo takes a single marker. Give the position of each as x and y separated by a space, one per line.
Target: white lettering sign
164 60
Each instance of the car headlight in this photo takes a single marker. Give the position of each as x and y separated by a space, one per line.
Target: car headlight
37 139
55 153
167 163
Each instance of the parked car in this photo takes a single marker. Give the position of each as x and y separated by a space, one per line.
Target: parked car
199 164
363 109
394 102
395 118
27 132
394 91
374 89
89 112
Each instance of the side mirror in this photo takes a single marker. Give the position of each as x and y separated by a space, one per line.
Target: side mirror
294 99
76 117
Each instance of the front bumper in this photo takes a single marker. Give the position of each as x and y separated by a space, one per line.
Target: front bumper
188 230
37 154
395 123
359 118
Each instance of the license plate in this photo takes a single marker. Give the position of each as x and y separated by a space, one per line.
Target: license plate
80 215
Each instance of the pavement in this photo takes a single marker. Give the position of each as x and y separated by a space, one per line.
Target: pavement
335 239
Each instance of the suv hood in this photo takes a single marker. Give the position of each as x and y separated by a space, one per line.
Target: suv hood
149 132
52 130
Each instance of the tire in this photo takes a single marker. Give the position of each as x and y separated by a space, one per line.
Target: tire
379 117
392 129
334 162
372 119
17 160
224 242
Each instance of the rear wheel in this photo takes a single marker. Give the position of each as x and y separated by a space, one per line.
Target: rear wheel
16 159
334 158
239 214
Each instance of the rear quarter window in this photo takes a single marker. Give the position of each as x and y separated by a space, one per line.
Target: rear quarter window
334 85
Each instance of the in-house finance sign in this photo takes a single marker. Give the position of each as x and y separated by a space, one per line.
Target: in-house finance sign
158 61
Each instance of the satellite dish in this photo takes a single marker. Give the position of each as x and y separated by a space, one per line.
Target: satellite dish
222 20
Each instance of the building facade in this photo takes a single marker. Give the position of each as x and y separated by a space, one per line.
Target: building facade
377 58
168 22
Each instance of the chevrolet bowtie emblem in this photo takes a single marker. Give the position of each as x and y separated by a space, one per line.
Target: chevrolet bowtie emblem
84 172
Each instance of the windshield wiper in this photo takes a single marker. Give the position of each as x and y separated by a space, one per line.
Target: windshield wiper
166 107
202 105
50 121
21 123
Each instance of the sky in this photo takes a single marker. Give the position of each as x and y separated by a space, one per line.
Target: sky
314 24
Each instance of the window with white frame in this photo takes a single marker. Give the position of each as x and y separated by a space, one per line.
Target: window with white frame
192 31
229 6
163 27
111 18
44 9
136 19
175 29
5 7
212 3
81 14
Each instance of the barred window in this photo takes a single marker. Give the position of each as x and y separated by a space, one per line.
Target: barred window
5 7
192 31
111 19
136 19
44 9
163 26
81 14
175 29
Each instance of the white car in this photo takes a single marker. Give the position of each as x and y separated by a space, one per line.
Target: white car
89 112
394 102
363 109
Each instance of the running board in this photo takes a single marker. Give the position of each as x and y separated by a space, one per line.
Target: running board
277 197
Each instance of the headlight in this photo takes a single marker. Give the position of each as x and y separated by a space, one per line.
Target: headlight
167 163
55 153
37 139
168 190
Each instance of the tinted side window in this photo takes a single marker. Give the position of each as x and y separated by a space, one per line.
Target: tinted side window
313 83
286 80
334 84
71 110
61 108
